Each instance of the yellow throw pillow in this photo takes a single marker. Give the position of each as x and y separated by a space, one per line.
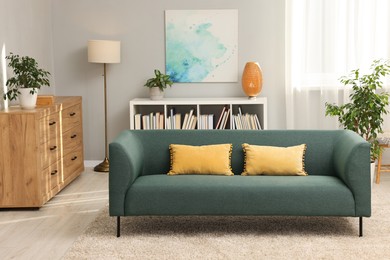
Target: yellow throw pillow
205 159
271 160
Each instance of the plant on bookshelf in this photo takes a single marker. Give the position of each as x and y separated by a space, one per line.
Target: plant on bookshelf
158 84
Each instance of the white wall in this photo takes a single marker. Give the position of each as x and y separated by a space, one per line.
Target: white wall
139 25
25 29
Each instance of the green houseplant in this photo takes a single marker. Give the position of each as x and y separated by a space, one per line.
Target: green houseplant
27 79
364 113
158 84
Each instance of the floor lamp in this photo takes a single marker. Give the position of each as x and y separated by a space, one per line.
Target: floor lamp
105 52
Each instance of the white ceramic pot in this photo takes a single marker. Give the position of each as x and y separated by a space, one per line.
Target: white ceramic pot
156 93
26 99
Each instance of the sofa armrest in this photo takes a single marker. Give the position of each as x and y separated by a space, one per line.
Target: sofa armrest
352 165
126 164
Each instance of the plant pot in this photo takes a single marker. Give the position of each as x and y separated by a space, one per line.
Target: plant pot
26 99
156 93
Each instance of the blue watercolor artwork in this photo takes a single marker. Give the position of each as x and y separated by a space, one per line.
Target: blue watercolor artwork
201 45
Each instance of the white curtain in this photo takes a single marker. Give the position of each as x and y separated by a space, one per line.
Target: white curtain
326 39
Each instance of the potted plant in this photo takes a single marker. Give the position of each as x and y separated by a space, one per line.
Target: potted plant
27 79
158 84
364 114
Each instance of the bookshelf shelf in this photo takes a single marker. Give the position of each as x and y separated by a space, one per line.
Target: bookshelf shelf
198 113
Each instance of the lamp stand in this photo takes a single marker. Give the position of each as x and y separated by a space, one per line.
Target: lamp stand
104 166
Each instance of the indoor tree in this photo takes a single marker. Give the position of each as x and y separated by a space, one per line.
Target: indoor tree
368 104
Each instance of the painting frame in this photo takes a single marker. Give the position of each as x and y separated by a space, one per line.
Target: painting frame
202 45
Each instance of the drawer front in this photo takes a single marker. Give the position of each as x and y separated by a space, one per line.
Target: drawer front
73 162
71 117
55 173
51 181
50 127
72 139
50 152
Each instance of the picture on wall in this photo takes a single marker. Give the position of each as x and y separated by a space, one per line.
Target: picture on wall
202 45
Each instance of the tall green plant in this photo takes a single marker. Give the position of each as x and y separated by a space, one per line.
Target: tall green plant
364 114
27 74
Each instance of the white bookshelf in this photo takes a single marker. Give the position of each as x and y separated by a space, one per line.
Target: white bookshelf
200 106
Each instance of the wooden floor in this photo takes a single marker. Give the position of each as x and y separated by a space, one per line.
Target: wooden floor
48 232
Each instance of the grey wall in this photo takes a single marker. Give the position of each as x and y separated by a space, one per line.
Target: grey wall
25 29
55 33
139 25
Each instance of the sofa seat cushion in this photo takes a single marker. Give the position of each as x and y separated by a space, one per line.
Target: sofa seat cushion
239 195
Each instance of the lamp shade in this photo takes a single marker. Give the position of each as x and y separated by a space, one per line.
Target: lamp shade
252 79
100 51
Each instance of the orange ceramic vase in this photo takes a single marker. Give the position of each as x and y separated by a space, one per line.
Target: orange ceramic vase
252 79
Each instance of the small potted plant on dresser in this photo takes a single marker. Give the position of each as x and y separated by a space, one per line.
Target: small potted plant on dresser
158 84
368 104
27 80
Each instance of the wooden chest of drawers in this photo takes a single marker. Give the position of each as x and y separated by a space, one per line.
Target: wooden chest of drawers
41 152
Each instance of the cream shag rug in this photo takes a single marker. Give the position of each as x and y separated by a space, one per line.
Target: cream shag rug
239 237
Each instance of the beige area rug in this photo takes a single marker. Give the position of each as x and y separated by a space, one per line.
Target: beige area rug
239 237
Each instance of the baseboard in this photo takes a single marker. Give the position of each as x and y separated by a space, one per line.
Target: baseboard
91 163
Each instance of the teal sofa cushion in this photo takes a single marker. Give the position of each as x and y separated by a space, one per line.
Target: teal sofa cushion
239 195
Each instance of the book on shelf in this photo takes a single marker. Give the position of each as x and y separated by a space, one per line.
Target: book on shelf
198 114
185 121
190 117
260 127
177 121
137 122
247 122
206 121
189 123
224 119
193 122
220 117
174 122
239 110
145 122
161 121
149 121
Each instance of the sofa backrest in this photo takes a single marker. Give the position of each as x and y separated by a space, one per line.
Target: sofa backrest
318 158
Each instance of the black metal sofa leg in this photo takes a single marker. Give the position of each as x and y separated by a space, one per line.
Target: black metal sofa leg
118 226
360 226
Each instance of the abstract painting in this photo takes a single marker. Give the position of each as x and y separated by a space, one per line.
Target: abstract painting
201 45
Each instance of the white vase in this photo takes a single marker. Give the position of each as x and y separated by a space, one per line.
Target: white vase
156 93
26 99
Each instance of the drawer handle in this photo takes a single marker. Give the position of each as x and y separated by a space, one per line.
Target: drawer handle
73 136
72 113
52 123
53 148
54 172
74 158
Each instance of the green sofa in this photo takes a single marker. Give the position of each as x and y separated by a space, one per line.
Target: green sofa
337 163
